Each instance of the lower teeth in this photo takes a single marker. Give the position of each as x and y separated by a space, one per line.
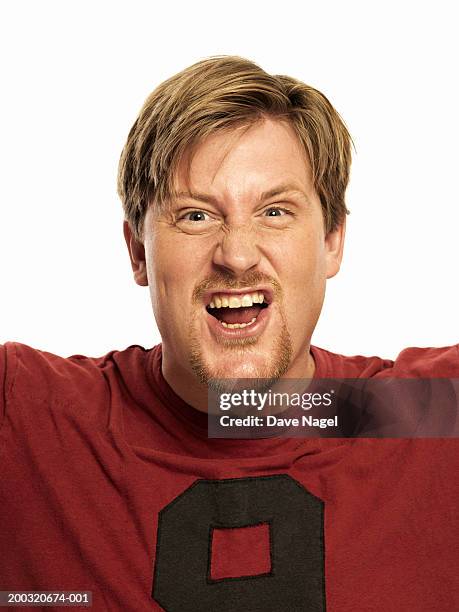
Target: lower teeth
238 325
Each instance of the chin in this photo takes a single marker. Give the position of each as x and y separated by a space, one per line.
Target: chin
237 368
240 364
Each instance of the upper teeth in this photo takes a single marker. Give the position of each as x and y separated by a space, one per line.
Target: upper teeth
233 301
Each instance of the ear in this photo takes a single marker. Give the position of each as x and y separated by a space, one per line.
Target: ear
137 255
334 245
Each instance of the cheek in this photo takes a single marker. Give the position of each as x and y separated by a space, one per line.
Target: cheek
304 277
174 268
164 272
303 256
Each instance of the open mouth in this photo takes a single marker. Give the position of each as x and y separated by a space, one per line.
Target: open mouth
236 311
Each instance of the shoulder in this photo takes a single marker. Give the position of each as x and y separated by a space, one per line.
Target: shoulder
38 376
416 362
430 362
334 365
31 371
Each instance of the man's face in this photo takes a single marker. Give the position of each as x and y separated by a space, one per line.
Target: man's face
237 263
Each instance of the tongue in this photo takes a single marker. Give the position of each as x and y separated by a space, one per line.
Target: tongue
237 315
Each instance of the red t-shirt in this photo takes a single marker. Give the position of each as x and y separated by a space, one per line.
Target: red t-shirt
109 484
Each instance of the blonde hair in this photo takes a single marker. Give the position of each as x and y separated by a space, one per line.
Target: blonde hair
219 93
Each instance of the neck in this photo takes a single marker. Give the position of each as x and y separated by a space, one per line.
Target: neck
187 386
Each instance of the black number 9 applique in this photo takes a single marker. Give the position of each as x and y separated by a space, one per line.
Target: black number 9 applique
273 525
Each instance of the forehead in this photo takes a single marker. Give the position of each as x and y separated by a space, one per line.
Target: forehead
245 160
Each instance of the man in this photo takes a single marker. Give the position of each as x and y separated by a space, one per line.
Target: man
233 185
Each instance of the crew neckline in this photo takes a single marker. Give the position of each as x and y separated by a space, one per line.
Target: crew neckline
195 421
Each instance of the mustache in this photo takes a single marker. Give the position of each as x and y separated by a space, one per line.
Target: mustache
219 281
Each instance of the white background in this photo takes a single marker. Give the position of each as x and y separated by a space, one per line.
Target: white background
74 75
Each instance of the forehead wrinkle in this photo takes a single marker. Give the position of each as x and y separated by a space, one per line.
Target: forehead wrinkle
281 190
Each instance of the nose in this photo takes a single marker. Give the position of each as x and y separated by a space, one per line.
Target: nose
237 251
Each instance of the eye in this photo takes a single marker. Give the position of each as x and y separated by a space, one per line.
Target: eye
276 212
196 221
276 217
196 215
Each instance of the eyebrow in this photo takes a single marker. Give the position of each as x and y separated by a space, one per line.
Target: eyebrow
287 188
